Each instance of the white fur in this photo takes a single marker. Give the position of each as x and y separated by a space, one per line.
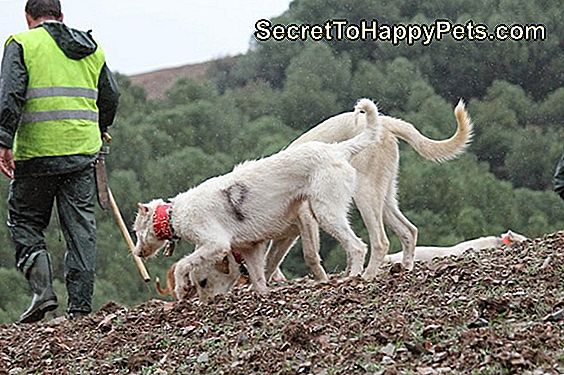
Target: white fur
218 280
375 195
428 253
260 200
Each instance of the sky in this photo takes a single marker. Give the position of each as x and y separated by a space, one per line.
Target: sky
144 35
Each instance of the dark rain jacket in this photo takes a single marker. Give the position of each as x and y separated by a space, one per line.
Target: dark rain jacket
559 178
13 86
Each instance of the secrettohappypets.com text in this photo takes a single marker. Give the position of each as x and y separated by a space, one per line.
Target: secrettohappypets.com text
340 29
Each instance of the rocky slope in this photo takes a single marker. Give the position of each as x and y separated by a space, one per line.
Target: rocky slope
499 311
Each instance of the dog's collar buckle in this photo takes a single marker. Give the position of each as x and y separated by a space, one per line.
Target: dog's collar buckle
162 224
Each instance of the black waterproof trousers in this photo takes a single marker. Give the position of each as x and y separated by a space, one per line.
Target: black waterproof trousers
30 203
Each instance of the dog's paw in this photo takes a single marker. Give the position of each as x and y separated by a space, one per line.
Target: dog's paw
262 290
370 274
355 271
408 265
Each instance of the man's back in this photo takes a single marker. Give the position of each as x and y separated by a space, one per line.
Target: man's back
60 115
55 71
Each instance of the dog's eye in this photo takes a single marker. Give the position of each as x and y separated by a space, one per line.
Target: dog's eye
203 283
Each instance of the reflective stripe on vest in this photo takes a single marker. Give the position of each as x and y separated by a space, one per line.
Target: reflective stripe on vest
60 115
61 91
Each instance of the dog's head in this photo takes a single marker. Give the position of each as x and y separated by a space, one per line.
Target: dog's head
216 278
509 238
148 243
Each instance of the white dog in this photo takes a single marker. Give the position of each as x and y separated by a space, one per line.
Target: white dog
428 253
219 277
375 196
376 193
259 200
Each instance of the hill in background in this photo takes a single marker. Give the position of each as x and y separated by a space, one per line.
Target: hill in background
156 83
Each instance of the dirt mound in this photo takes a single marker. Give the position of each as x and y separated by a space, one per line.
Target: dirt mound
499 311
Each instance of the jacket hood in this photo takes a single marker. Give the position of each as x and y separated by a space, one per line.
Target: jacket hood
74 43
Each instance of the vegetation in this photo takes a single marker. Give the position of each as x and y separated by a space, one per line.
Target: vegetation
278 90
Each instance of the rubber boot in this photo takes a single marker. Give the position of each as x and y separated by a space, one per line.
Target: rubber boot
80 288
40 281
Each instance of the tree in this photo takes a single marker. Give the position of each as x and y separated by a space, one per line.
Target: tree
189 90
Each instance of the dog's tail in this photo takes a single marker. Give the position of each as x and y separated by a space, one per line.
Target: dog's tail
169 290
370 134
161 290
430 149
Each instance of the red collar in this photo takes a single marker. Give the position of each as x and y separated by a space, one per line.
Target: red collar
161 222
505 239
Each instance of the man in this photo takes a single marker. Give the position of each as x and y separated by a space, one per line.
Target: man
559 178
56 97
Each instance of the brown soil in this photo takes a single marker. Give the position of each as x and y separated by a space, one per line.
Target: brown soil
497 312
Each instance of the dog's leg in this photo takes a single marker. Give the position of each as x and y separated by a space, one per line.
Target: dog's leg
310 241
334 187
333 220
370 205
379 243
277 252
404 229
211 252
255 261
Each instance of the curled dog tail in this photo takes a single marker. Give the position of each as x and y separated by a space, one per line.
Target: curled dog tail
169 290
160 289
430 149
370 134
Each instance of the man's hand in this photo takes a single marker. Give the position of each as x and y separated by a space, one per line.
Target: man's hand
7 165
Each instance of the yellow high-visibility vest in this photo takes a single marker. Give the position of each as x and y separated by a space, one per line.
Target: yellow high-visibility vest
60 115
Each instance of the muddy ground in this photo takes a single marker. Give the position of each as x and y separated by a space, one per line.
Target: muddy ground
500 311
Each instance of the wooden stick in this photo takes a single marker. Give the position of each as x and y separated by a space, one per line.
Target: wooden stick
123 228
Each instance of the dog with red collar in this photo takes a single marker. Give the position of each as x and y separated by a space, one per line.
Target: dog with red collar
258 201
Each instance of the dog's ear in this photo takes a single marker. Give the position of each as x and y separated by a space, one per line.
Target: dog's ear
243 280
142 208
514 236
223 265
